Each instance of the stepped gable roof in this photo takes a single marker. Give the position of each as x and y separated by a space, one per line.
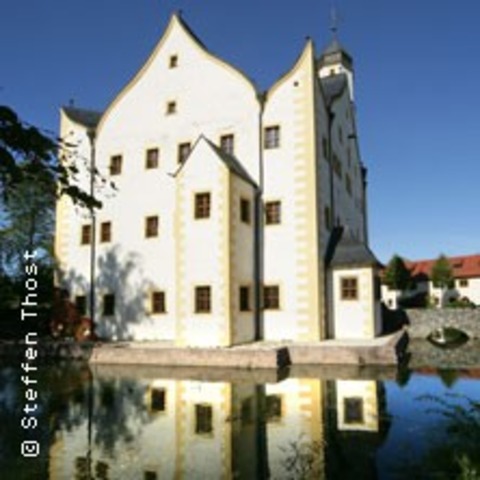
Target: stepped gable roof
466 266
344 250
333 86
82 116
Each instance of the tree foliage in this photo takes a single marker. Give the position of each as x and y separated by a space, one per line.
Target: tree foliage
397 276
442 274
29 156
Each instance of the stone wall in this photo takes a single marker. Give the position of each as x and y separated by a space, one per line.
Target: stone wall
423 321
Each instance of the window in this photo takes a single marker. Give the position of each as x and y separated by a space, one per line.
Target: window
328 218
105 232
202 205
116 165
183 151
353 410
273 213
202 299
151 227
203 419
244 299
349 288
151 158
227 143
245 210
325 148
271 297
109 304
348 184
81 304
463 282
158 302
272 137
150 475
86 236
173 62
171 108
157 399
273 408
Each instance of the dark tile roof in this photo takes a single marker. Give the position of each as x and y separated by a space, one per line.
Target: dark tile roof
232 163
345 250
335 49
333 86
87 118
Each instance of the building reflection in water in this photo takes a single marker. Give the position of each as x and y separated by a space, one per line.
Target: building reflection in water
143 425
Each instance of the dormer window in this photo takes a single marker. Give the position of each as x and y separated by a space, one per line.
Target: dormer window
173 62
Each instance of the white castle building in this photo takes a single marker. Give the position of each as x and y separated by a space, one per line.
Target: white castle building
238 215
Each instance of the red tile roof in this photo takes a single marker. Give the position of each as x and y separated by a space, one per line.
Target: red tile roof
463 267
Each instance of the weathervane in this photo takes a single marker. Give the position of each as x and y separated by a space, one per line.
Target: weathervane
334 21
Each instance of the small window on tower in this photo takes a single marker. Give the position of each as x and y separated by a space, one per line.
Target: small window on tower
151 159
202 205
171 108
272 137
183 151
227 143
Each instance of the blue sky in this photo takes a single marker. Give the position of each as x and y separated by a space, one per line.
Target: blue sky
417 87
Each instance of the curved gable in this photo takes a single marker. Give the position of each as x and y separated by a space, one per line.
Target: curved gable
176 26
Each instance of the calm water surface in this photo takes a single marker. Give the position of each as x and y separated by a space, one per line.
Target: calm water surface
157 423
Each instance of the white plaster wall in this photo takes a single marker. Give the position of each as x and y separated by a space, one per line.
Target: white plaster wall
204 253
136 121
355 318
242 258
285 182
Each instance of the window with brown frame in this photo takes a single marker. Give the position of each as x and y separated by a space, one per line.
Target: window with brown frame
463 282
150 475
86 235
116 165
151 158
202 205
349 288
173 61
171 107
273 213
244 302
105 232
271 297
81 304
203 299
183 151
109 304
151 226
245 210
273 408
227 143
328 218
203 419
272 137
353 410
158 399
158 302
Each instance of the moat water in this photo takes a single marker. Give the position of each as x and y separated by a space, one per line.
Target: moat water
152 423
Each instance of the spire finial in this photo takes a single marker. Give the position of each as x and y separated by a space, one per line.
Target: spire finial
334 21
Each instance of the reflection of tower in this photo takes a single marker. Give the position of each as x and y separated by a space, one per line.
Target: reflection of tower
294 426
355 426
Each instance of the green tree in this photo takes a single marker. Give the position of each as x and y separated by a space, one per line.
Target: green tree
28 155
397 276
442 275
